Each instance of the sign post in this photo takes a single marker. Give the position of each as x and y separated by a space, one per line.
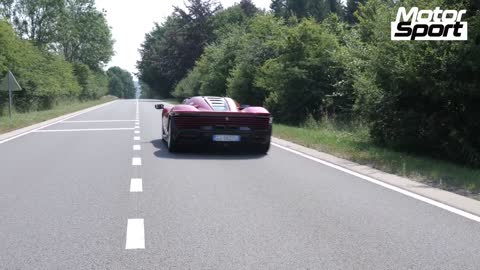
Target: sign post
10 84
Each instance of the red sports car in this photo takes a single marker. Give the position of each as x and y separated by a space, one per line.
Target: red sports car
215 120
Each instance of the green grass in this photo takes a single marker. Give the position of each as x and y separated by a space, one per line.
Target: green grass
20 120
354 143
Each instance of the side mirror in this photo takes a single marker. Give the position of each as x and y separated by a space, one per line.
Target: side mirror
159 106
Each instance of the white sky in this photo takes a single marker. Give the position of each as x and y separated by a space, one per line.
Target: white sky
131 20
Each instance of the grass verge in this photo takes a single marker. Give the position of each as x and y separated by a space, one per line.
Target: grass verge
20 120
355 144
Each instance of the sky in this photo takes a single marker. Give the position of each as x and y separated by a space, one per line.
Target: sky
131 20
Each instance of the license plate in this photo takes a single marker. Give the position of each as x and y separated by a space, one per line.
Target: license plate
226 138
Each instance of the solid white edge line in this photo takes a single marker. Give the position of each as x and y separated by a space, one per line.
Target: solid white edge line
136 161
56 122
135 234
137 147
81 129
385 185
136 185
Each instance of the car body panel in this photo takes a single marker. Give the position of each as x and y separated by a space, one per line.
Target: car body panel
198 119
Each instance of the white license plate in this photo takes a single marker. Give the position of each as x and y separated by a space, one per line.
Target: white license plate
226 138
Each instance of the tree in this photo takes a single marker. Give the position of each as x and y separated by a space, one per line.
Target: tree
351 8
228 20
418 96
318 9
279 8
37 20
45 78
6 9
172 48
115 87
121 83
73 28
299 80
85 36
248 7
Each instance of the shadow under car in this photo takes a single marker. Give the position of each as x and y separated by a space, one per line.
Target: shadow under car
206 152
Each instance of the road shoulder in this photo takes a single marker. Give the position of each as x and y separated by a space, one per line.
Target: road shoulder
451 199
5 137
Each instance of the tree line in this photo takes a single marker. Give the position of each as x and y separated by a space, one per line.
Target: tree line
57 49
318 59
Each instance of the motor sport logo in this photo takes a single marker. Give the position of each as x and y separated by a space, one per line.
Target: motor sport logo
427 24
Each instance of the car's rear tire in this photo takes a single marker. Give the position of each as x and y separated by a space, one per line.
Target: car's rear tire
263 148
171 142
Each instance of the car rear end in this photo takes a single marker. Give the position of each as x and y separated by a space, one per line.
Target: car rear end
222 128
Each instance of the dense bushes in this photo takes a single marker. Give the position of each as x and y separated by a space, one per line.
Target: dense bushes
45 78
418 96
426 93
291 69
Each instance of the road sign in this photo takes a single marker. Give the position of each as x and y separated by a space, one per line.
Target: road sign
10 84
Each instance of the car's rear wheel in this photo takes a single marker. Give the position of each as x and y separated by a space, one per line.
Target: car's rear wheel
171 142
263 148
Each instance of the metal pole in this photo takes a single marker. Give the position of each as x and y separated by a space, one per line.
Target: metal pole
9 86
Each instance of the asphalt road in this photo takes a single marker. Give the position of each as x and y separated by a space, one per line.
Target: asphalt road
66 203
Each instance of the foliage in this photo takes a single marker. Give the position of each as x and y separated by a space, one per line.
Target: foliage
350 9
300 79
318 9
189 86
93 83
229 19
85 36
37 20
419 96
146 91
72 28
309 61
121 83
45 78
172 48
229 66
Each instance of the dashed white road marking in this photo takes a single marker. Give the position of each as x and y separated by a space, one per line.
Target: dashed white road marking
82 129
137 132
136 161
136 185
137 147
136 138
135 234
97 121
385 185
